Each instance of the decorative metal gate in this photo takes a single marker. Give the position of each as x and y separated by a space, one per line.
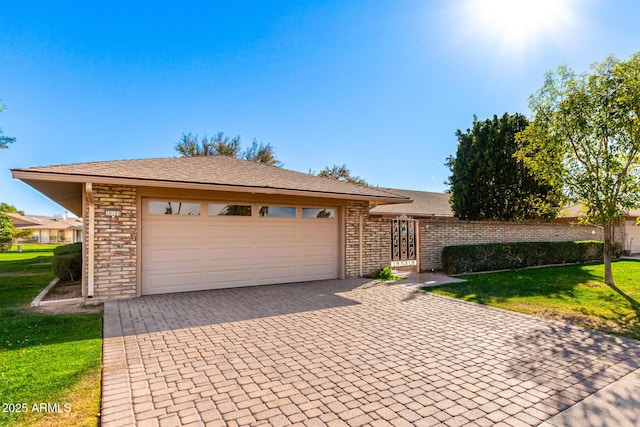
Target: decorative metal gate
404 242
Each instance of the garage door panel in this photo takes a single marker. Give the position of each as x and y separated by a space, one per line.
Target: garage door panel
212 252
286 273
326 250
279 232
219 279
163 256
318 270
167 231
276 252
162 283
229 253
633 236
230 231
322 233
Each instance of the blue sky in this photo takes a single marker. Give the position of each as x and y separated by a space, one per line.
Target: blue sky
381 86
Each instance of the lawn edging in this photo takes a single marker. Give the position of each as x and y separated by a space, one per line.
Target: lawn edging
37 301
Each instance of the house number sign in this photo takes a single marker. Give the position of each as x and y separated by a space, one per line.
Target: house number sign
113 213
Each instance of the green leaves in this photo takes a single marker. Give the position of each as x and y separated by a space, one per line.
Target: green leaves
341 173
222 145
586 136
5 140
487 182
7 232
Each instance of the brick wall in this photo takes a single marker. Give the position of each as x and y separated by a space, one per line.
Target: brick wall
436 234
375 237
115 242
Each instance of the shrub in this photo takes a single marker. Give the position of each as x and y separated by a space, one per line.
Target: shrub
67 261
7 232
385 273
505 256
68 249
5 243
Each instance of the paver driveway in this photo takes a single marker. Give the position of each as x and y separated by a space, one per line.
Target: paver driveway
344 353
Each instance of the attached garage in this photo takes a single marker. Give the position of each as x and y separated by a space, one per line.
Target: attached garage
633 236
168 225
198 245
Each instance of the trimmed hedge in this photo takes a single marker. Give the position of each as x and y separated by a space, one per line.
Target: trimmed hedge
68 249
67 261
507 256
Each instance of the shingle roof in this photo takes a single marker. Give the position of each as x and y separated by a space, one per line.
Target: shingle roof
575 211
41 222
209 171
425 204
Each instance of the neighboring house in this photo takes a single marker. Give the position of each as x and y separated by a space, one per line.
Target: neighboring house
57 229
630 229
424 204
194 223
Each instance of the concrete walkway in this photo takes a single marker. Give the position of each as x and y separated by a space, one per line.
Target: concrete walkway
347 353
616 405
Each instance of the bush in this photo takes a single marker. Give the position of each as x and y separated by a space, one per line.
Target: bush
7 232
67 261
5 243
68 249
385 274
506 256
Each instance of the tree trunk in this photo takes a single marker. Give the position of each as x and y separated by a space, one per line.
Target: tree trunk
608 274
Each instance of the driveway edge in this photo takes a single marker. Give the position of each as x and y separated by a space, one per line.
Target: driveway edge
117 408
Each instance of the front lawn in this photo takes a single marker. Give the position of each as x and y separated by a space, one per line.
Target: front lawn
44 358
574 293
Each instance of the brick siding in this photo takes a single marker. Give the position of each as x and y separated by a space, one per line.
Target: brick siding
436 234
376 250
115 242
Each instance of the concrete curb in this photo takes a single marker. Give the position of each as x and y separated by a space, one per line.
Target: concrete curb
616 405
37 302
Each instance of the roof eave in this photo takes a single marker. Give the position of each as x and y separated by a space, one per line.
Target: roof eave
27 175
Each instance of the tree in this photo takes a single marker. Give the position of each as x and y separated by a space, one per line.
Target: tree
5 140
585 136
222 145
341 173
261 153
488 183
219 145
7 232
5 207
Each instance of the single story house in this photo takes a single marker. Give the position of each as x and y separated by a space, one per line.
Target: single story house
630 228
46 229
424 204
194 223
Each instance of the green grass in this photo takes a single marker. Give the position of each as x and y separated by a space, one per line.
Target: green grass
575 294
43 357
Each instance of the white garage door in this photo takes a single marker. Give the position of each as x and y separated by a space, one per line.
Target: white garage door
188 246
633 236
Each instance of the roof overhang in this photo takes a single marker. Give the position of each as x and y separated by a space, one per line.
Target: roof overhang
66 189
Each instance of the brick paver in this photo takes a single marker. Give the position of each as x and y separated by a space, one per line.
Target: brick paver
344 353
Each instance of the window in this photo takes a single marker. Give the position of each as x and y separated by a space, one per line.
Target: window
216 209
318 213
174 208
277 211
